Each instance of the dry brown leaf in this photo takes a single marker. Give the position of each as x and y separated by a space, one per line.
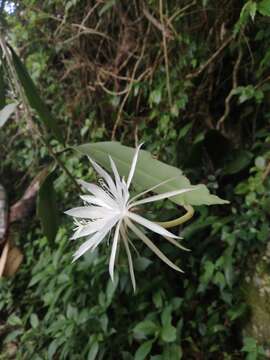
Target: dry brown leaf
3 258
13 262
26 204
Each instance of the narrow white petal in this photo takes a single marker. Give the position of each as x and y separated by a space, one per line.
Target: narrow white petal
98 192
151 189
89 229
133 165
76 234
117 178
114 248
89 244
161 196
175 243
89 212
130 262
95 201
151 245
150 225
105 176
95 240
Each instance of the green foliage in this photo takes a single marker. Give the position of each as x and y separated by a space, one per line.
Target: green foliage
56 309
47 208
33 97
149 172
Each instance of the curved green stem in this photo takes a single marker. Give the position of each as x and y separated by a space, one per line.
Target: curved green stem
182 219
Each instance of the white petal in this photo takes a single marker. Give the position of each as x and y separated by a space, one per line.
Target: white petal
150 225
175 243
105 176
89 212
133 165
151 245
89 229
161 196
89 244
114 248
130 262
151 189
95 201
76 234
95 240
117 179
98 192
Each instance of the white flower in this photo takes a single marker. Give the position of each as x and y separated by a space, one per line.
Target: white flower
110 207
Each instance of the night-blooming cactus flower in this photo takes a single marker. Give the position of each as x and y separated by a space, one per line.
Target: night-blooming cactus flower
109 207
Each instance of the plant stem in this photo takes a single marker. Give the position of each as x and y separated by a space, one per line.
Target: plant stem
20 91
182 219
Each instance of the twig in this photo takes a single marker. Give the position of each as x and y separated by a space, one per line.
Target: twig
231 93
180 11
90 12
84 32
118 118
166 60
211 59
156 23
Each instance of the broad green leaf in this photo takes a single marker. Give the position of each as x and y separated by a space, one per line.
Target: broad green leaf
33 97
52 349
142 263
173 352
47 208
6 112
185 130
241 159
264 7
168 333
34 321
93 351
143 350
149 172
145 328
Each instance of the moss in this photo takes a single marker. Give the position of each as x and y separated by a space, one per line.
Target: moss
257 295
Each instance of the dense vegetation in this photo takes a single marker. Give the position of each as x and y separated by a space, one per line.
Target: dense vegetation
188 78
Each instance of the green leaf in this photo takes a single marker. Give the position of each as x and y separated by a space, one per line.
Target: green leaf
52 349
34 321
14 320
149 172
145 328
250 344
47 208
93 351
264 7
6 112
168 333
108 5
141 263
209 268
155 96
185 130
241 159
172 352
33 97
248 10
143 350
